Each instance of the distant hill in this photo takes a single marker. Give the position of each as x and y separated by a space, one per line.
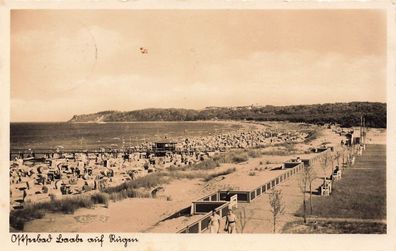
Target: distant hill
346 114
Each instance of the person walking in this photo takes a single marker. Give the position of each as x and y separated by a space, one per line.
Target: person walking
214 223
24 194
231 219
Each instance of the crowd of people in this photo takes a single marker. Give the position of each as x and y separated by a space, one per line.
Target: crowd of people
241 139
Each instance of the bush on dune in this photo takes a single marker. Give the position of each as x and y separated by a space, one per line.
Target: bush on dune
232 157
254 153
214 175
239 157
207 164
100 198
148 181
37 210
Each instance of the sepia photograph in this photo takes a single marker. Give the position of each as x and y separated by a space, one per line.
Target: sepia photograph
198 121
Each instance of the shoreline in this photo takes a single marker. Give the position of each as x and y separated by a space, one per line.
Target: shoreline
132 122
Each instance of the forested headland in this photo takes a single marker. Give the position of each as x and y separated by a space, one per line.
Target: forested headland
346 114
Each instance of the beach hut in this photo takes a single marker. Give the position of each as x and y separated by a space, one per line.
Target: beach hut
349 139
164 147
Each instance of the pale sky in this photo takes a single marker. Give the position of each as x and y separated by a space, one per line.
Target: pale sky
66 62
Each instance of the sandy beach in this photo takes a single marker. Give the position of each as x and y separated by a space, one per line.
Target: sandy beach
147 214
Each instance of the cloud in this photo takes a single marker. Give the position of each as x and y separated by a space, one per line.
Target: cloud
58 60
261 78
81 62
301 76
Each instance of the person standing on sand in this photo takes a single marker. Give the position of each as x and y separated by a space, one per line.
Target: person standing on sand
24 194
214 223
230 225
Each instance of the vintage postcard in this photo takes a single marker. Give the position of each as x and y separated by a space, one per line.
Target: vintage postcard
236 125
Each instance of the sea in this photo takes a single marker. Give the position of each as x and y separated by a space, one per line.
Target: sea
103 135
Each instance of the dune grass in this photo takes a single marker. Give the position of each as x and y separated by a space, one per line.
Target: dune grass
206 164
65 205
234 157
254 153
128 193
214 175
312 135
148 181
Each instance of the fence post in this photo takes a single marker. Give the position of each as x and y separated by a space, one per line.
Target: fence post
192 212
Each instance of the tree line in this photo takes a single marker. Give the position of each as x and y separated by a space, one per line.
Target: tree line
346 114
